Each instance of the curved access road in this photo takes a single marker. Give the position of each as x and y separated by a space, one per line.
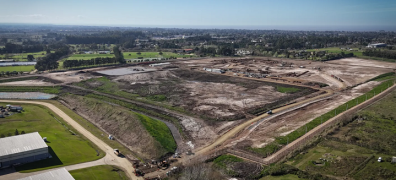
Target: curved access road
115 160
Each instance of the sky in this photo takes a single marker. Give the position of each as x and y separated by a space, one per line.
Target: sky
242 14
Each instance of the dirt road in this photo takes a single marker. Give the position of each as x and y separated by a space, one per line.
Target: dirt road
237 129
117 161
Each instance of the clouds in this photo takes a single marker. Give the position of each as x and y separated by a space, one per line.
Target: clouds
34 16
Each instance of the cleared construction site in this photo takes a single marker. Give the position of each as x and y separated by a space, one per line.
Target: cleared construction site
216 105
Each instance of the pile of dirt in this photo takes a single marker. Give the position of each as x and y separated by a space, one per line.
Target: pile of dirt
119 122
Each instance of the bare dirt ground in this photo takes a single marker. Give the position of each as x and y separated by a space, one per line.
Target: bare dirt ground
351 70
28 83
285 124
70 76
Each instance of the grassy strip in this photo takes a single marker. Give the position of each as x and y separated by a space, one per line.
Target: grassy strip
283 140
383 76
159 131
18 79
103 172
287 89
66 145
44 89
139 109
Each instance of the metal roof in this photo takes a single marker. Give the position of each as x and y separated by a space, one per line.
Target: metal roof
21 143
58 174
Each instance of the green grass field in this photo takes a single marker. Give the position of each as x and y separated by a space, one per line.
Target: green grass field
65 148
23 56
88 56
17 68
338 50
134 55
104 172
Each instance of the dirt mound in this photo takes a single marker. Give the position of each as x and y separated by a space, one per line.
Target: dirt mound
119 122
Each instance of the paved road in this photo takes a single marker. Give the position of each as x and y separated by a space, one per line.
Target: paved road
123 163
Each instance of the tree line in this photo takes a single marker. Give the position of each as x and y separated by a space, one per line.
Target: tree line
380 53
96 61
49 62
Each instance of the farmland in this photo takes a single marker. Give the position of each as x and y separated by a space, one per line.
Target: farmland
65 148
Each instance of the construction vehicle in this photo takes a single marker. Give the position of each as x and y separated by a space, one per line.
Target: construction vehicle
137 172
117 152
163 164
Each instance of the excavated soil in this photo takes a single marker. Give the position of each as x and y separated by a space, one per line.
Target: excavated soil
285 124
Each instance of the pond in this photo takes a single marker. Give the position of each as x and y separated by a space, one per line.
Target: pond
25 95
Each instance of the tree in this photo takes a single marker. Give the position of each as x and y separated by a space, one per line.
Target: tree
160 53
48 51
16 132
138 53
9 134
118 55
30 57
23 132
2 136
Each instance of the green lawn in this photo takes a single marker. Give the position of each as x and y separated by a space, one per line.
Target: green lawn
104 172
23 56
88 56
282 177
134 55
65 148
159 131
337 50
17 68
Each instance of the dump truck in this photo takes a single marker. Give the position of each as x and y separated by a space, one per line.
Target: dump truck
117 152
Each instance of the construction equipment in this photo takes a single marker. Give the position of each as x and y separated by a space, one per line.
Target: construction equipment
117 152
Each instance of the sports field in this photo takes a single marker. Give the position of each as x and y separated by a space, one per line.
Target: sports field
66 146
17 68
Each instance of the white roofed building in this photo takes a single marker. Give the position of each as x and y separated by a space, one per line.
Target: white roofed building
58 174
21 149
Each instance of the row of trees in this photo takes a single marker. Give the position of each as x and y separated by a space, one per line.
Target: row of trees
96 61
380 53
17 48
15 133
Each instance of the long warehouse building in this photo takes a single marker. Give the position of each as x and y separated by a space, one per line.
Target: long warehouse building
21 149
58 174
